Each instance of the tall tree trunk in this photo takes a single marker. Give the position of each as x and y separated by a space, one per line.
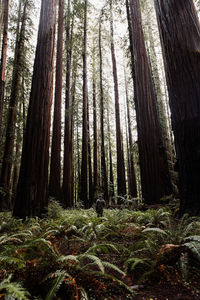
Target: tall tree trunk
103 156
84 164
67 171
5 179
55 170
111 175
32 189
95 137
3 55
155 179
91 187
180 35
132 177
121 180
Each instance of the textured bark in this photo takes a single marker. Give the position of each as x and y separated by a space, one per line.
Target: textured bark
84 163
32 189
95 141
111 175
6 171
132 177
5 15
91 187
121 181
103 156
67 171
55 170
152 155
180 36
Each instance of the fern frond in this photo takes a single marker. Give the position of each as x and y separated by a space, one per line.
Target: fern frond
155 230
56 285
96 261
110 266
12 261
14 289
102 248
194 247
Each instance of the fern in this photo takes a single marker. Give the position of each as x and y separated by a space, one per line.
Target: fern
95 262
14 289
155 230
56 285
102 248
110 266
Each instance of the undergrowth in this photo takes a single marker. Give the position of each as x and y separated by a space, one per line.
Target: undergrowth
72 254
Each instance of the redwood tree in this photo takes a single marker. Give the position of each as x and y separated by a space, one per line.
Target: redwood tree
180 35
6 170
5 6
155 179
121 181
84 163
55 171
103 156
32 189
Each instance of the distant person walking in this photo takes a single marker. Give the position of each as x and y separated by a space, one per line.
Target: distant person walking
100 204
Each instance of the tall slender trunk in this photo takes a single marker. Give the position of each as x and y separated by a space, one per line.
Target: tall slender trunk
55 169
155 182
103 156
5 179
91 188
180 46
84 163
67 170
95 143
111 175
3 55
32 189
121 181
132 177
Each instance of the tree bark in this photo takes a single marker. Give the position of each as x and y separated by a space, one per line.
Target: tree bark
6 171
153 164
55 169
103 156
32 189
121 181
132 177
5 15
67 171
84 163
180 34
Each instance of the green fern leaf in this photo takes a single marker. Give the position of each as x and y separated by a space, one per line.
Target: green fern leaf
155 230
57 283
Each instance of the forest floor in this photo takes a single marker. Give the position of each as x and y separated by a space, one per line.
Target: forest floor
126 254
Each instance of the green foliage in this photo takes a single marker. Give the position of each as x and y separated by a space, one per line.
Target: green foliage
13 289
77 253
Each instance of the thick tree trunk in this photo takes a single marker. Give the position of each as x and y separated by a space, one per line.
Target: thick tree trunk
5 179
103 156
153 163
121 181
5 16
32 190
84 164
180 35
55 170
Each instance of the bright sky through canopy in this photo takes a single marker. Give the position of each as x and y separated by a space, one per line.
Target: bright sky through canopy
98 3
